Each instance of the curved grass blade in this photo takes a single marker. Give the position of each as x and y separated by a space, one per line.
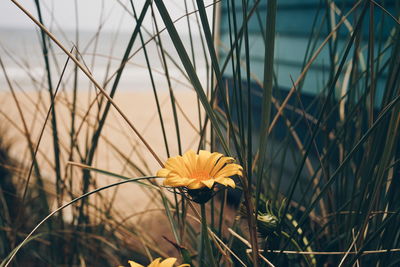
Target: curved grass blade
5 263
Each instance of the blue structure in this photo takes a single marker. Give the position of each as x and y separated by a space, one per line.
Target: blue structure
340 99
301 27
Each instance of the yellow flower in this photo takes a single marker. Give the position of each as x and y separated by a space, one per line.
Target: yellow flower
169 262
199 171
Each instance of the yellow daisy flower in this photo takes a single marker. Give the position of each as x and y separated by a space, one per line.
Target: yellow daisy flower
169 262
197 171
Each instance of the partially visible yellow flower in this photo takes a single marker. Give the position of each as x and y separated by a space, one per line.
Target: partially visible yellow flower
169 262
196 171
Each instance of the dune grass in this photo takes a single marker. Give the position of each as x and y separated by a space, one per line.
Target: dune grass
320 176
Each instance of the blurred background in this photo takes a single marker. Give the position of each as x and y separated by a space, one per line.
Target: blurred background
303 94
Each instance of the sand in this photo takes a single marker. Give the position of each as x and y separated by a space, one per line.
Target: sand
117 141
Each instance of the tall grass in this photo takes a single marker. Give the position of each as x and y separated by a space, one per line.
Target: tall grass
321 172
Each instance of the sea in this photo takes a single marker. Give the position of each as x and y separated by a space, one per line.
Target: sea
101 52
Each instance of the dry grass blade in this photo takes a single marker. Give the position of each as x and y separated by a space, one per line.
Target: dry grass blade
92 79
310 62
244 241
319 154
63 207
367 252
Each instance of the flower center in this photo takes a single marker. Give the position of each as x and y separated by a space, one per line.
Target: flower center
200 175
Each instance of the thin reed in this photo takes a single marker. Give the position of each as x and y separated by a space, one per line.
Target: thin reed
301 100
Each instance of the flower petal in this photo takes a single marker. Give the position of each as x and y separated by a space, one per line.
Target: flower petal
195 184
134 264
177 165
221 162
155 263
212 160
176 181
209 183
163 172
168 262
229 170
190 160
226 182
202 159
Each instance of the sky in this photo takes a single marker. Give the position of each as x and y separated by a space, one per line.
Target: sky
60 14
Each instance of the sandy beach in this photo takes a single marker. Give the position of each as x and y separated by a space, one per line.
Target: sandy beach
118 141
120 150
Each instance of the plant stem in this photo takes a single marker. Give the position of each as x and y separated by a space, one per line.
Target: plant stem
204 235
